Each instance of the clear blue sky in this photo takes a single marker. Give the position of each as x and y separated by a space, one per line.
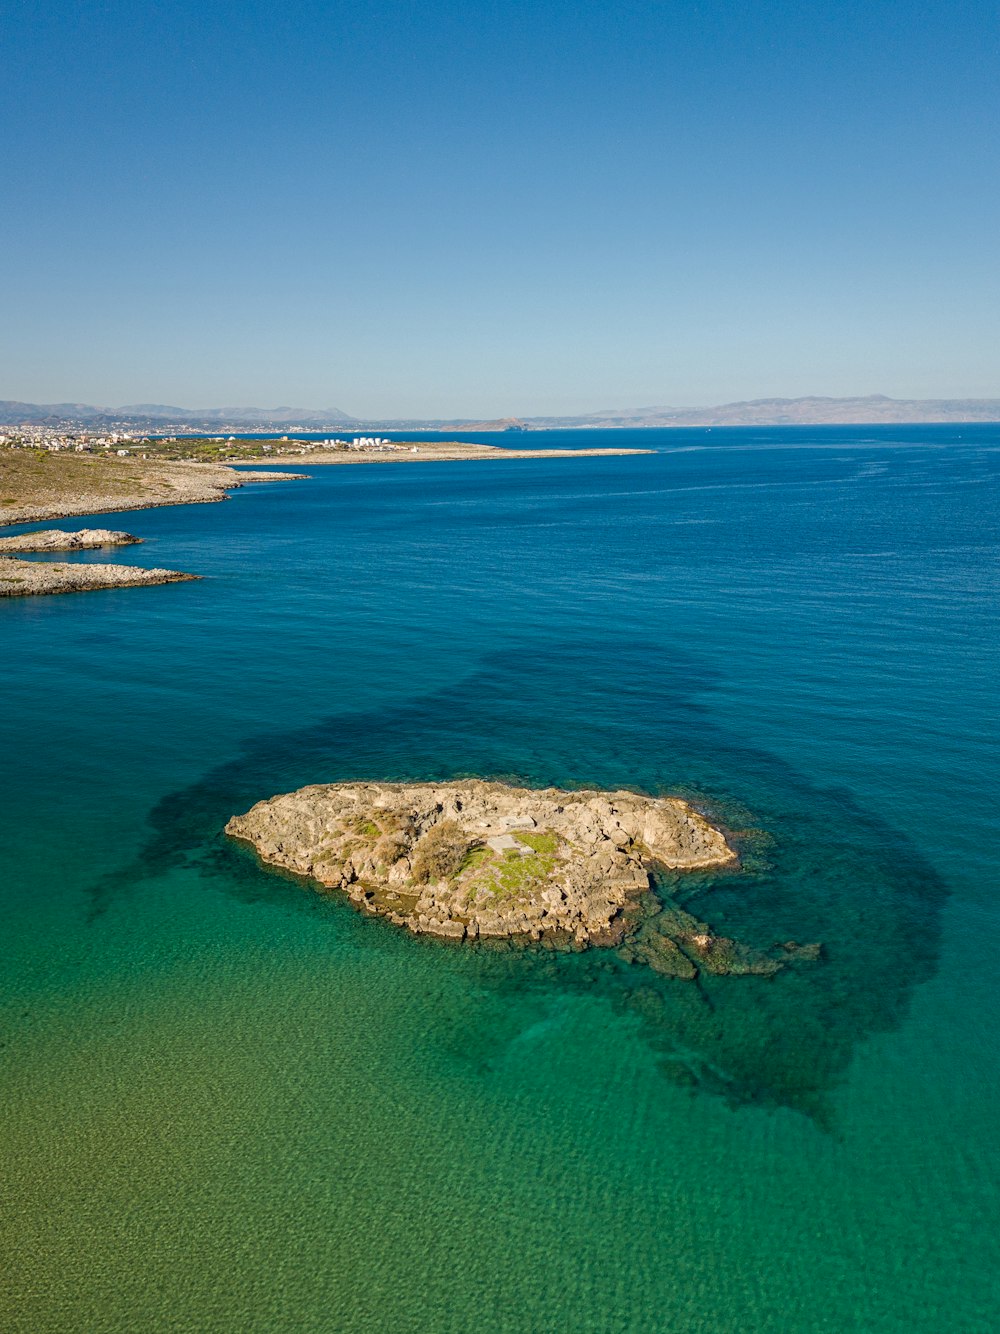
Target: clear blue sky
437 207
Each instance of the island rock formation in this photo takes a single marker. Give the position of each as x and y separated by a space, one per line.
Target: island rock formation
56 539
30 578
475 860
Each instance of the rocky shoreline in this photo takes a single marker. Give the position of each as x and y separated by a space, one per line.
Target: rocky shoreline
33 578
37 486
56 539
434 451
478 860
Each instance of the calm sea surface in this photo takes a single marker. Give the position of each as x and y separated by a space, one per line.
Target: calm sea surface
230 1104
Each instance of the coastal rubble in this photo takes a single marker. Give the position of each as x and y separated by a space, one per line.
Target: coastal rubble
480 860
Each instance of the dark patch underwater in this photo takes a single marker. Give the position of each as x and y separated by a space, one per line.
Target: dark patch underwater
824 868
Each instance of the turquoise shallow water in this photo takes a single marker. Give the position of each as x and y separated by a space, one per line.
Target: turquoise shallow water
231 1104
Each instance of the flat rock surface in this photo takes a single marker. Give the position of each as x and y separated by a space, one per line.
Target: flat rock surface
29 578
55 539
479 859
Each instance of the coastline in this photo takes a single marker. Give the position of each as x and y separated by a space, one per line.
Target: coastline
448 452
56 539
35 488
186 1024
30 578
38 486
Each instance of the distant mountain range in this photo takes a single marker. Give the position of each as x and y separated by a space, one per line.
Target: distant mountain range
811 411
145 414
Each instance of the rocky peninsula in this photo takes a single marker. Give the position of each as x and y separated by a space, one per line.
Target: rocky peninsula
436 451
38 485
475 860
55 539
41 484
31 578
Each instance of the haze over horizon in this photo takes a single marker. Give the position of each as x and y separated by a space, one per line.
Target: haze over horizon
432 211
812 410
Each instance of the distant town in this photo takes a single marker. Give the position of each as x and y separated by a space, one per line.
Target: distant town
215 449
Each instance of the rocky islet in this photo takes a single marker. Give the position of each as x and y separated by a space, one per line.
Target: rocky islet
478 860
33 578
57 539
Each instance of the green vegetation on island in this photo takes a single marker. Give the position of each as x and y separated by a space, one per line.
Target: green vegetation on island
479 860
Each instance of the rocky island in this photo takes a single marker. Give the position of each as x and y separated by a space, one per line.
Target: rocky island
56 539
30 578
475 860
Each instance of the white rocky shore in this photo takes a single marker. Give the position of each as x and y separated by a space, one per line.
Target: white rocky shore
31 578
56 539
475 859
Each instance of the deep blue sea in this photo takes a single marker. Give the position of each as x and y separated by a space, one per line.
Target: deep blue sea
232 1104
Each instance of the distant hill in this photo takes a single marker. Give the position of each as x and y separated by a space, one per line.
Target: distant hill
810 411
257 416
496 424
12 412
149 414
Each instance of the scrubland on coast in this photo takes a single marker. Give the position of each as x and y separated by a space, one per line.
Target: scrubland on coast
51 484
41 484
